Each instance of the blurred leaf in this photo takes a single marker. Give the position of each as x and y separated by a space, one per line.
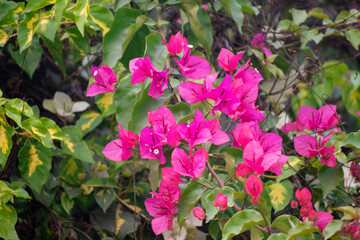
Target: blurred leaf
180 110
3 37
154 174
290 168
35 164
240 222
55 49
278 236
66 203
214 229
350 213
6 132
301 229
318 12
33 5
8 219
280 194
351 98
30 59
120 34
104 197
332 228
351 140
101 182
299 16
70 169
329 178
156 50
47 28
188 199
353 36
59 8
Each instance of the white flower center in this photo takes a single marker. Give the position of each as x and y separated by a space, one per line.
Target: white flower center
156 151
190 46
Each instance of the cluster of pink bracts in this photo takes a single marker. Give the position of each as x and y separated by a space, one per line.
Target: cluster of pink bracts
235 97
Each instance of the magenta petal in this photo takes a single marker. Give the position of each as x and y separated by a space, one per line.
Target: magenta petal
115 152
159 224
327 156
181 162
271 143
243 170
200 65
306 117
95 89
253 153
199 162
290 127
304 144
254 187
191 92
324 218
224 59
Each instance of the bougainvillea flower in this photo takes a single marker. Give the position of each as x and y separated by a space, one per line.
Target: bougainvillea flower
355 169
309 146
163 211
196 132
199 213
323 219
193 92
151 145
254 187
246 113
220 201
142 68
218 136
304 196
192 166
104 80
244 133
164 124
259 40
309 118
176 44
192 67
169 190
228 61
294 204
119 149
247 75
169 175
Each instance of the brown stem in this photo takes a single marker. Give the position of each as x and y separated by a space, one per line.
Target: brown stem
266 223
222 185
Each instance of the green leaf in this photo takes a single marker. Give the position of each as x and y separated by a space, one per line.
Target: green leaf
285 223
318 12
101 182
154 174
188 199
104 197
349 212
88 121
6 132
180 110
125 98
280 194
353 36
81 12
33 5
240 222
302 229
278 236
102 17
156 50
66 203
74 146
234 9
27 29
332 228
351 98
47 28
143 106
38 131
70 170
59 8
79 45
214 229
120 34
299 16
209 207
355 79
55 132
329 178
8 219
55 49
199 22
290 168
3 37
35 164
30 59
351 140
229 161
105 102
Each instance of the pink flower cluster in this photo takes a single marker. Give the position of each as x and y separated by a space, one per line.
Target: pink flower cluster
318 121
320 218
262 151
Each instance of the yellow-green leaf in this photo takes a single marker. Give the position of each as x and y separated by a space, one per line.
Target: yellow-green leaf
102 17
35 164
37 4
3 37
88 121
81 12
35 128
280 194
6 132
105 102
27 30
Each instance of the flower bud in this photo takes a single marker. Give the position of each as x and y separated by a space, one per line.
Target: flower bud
199 213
